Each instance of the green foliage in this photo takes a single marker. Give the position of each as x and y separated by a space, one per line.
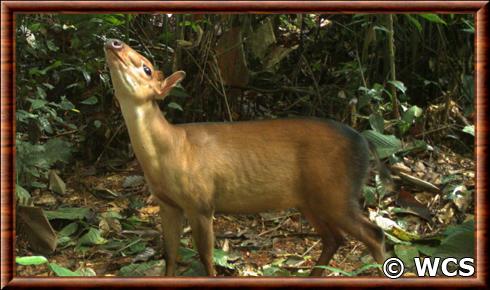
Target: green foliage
31 260
175 106
406 253
408 119
90 101
221 258
62 271
68 213
59 71
385 145
58 270
271 270
354 273
137 270
369 95
456 241
433 18
91 237
190 256
459 241
399 85
34 161
64 235
370 196
470 129
377 122
23 196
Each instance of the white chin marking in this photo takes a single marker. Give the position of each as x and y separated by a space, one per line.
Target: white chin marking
130 82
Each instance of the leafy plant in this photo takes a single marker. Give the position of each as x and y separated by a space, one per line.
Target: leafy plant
34 161
354 273
58 270
385 145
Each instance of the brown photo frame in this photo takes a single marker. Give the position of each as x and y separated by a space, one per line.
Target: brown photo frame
10 8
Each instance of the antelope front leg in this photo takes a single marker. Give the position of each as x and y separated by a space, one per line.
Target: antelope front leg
203 235
172 222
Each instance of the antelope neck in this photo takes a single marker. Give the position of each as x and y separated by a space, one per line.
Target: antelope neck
151 134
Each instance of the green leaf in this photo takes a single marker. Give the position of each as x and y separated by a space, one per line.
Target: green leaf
54 65
56 149
365 268
369 194
176 106
37 103
470 129
411 114
353 273
40 93
65 241
66 104
220 258
186 254
414 21
399 85
51 46
336 270
23 116
433 18
396 240
406 254
62 271
426 249
416 145
111 215
68 230
92 237
382 28
459 242
23 196
470 27
269 270
45 125
68 213
48 86
137 270
468 226
408 118
86 74
31 260
90 101
115 20
34 27
179 92
460 245
385 145
377 122
136 248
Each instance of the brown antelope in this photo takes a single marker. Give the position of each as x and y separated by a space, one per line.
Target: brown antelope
196 170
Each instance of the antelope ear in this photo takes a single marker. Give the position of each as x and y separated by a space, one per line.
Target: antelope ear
168 83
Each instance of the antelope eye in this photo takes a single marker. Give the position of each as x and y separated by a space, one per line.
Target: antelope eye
147 70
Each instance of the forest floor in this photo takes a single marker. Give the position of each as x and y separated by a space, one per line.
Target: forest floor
274 244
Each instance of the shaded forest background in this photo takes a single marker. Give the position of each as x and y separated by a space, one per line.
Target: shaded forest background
405 81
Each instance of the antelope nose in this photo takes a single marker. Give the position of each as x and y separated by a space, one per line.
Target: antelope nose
115 44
